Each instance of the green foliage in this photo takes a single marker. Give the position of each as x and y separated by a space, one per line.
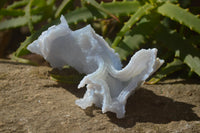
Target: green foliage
133 19
187 52
78 15
28 15
63 6
94 4
11 12
2 2
18 4
26 12
180 15
128 25
168 69
22 49
18 22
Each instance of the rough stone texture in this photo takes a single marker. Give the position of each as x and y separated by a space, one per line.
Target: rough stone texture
31 102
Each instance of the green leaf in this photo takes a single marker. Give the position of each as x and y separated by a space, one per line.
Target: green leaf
39 3
116 8
167 70
82 14
11 12
134 18
129 45
18 4
180 15
2 2
101 8
63 6
162 1
21 60
173 41
28 15
22 49
124 8
17 22
193 62
194 39
138 35
133 42
123 52
45 11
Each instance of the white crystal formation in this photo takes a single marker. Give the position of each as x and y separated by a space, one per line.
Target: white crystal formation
108 85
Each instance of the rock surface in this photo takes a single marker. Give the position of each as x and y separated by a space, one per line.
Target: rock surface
31 102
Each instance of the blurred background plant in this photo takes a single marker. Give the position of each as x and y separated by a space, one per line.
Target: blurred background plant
172 26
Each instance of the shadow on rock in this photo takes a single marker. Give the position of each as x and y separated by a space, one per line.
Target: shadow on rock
143 106
146 106
68 78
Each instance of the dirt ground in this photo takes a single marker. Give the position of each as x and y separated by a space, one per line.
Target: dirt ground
30 102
